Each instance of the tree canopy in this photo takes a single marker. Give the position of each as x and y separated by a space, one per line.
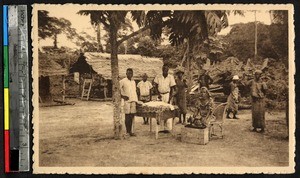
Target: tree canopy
272 41
50 27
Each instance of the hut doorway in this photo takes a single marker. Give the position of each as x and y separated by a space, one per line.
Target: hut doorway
44 89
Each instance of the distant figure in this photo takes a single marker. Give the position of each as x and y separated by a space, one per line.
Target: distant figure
129 99
258 92
103 86
204 80
181 95
165 84
203 115
144 89
232 100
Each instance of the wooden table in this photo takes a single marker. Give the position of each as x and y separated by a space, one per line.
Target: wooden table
160 116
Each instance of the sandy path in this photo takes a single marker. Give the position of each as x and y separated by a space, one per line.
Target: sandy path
81 135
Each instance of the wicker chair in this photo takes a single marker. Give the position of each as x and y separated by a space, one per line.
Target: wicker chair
219 113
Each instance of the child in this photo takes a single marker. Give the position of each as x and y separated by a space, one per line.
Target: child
145 93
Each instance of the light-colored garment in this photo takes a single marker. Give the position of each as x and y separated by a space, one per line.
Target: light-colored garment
165 97
128 89
164 84
145 88
159 103
128 107
168 124
232 100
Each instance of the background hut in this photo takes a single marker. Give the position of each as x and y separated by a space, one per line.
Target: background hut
49 69
101 64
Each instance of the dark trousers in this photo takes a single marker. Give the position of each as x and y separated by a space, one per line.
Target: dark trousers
128 122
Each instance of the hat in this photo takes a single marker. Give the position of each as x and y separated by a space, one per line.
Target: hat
236 77
258 72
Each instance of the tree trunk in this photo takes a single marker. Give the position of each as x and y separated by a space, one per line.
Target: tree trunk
99 47
116 97
55 41
185 53
126 47
255 47
188 66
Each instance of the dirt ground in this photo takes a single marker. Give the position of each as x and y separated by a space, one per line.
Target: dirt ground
82 135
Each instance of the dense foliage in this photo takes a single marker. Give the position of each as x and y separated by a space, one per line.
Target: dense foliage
272 41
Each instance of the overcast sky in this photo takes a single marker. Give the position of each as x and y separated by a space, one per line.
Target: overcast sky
82 23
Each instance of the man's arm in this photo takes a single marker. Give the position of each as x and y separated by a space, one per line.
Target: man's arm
138 92
172 88
185 84
264 88
150 92
122 92
172 91
156 89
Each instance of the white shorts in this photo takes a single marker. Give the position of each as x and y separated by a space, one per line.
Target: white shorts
129 107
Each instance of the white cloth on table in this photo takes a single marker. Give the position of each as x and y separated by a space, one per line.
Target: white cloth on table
167 124
159 103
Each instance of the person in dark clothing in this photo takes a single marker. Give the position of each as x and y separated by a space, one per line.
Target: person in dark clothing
181 86
204 80
258 93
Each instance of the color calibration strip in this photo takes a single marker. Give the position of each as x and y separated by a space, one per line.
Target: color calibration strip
6 90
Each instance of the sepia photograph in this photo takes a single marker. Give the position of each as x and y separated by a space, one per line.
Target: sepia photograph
163 89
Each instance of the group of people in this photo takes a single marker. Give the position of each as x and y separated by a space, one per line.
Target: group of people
173 91
258 90
165 86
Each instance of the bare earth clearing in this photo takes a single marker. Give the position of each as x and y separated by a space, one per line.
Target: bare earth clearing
81 135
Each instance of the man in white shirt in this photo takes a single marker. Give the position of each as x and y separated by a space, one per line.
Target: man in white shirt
165 84
144 91
129 98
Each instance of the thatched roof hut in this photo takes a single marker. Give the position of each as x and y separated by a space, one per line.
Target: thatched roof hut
49 68
100 63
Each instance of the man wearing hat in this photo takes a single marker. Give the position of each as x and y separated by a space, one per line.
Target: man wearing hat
144 90
232 100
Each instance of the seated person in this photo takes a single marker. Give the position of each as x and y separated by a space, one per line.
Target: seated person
203 115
